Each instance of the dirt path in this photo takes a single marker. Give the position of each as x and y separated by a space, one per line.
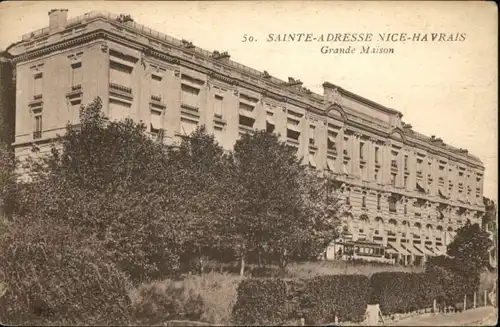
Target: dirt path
474 317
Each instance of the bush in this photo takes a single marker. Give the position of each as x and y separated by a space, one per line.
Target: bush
155 303
261 302
216 291
53 275
342 296
400 292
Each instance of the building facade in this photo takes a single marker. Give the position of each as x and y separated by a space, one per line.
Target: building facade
405 189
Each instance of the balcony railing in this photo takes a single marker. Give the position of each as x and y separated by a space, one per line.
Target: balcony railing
76 87
156 98
331 151
120 88
37 135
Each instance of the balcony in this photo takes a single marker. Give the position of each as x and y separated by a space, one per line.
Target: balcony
346 154
243 129
292 141
75 91
120 88
36 101
394 166
120 91
331 152
37 135
156 98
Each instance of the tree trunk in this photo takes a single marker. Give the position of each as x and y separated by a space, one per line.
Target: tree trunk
201 261
242 266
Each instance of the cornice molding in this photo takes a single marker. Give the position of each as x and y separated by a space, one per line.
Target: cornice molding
62 45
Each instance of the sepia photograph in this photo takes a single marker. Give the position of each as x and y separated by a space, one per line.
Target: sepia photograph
249 163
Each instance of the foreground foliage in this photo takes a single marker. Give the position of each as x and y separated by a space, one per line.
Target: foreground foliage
116 206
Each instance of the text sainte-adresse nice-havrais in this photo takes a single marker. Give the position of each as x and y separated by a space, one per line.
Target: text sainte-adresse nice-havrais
358 39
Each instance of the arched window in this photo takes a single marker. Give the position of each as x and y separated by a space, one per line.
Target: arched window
450 229
439 228
364 217
393 222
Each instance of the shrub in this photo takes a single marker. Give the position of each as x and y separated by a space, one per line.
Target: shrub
155 303
217 292
342 296
53 275
400 292
260 302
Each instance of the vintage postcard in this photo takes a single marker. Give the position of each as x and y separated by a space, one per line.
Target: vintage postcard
248 163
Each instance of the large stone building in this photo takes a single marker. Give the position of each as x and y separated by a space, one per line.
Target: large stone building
405 189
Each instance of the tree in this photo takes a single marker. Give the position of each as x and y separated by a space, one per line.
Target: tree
324 205
203 166
8 178
470 247
276 212
111 181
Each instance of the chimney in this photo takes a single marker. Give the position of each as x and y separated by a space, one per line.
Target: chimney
58 18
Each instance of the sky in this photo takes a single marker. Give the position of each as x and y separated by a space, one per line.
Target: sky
446 88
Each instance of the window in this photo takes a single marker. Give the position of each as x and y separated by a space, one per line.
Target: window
156 85
377 154
156 121
405 181
364 172
188 126
361 150
405 208
76 74
38 127
348 197
392 204
331 141
379 196
119 74
118 110
346 140
189 96
37 86
406 163
363 200
292 129
246 121
75 110
218 101
393 179
312 134
312 161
